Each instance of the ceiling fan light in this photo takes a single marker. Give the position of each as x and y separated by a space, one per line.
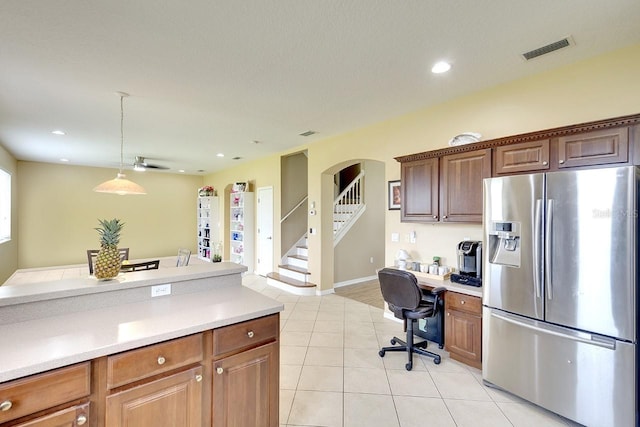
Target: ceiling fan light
120 185
138 167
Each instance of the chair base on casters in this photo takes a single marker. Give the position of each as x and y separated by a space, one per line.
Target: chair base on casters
410 348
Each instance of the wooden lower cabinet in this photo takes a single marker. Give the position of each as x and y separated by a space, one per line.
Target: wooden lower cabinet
227 376
463 328
73 416
246 388
175 400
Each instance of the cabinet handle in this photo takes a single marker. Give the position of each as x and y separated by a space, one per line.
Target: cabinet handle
81 420
198 378
462 302
161 360
250 334
561 161
545 163
219 371
6 405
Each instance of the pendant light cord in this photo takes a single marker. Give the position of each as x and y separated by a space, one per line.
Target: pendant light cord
121 131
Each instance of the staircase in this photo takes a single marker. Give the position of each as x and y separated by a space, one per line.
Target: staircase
348 207
293 274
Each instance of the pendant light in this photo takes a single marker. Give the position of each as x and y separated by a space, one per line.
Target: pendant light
120 184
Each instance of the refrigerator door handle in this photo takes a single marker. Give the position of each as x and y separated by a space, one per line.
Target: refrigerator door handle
607 343
537 247
547 249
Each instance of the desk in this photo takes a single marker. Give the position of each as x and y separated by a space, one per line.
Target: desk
461 320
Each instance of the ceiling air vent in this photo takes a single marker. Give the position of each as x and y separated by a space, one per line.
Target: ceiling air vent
308 133
565 42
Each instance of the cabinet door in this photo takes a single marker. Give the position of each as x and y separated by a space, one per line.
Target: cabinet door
594 148
419 191
461 185
172 401
70 417
246 387
463 339
523 157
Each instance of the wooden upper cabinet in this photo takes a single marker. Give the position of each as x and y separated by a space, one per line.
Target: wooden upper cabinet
420 187
461 185
594 148
528 156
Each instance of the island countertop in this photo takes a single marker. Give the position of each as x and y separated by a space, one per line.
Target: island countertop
42 343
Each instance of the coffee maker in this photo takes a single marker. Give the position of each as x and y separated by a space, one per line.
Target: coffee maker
469 263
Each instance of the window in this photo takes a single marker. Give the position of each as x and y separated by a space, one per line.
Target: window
5 206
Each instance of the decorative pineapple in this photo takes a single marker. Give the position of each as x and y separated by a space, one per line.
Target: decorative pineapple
108 260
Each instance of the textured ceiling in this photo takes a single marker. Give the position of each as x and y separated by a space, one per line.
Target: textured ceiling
210 76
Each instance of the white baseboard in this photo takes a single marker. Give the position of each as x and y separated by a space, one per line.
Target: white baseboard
354 281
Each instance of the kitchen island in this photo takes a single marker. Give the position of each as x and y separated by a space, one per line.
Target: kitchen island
148 336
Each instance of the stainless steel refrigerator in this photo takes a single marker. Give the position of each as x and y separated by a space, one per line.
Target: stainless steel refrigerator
560 293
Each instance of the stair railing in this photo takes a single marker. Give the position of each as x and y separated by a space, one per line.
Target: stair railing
348 206
300 203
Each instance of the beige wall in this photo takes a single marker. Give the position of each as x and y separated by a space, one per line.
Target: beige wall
361 251
598 88
59 211
9 250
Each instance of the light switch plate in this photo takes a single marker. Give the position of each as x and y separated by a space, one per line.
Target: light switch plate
160 290
395 237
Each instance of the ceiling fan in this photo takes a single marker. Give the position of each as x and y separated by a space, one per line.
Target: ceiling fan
140 164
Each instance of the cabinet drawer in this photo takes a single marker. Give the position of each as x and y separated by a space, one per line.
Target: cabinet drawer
155 359
245 335
462 302
38 392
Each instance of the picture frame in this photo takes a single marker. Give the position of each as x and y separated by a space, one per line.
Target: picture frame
395 195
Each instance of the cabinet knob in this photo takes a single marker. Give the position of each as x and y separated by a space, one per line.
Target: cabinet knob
462 302
561 161
435 217
81 420
250 334
444 217
6 405
219 371
448 314
161 360
198 378
545 163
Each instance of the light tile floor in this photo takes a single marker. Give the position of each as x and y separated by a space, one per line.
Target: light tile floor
331 374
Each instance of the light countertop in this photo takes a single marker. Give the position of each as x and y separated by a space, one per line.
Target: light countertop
42 344
426 279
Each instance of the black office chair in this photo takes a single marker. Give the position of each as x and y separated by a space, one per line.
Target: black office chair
405 298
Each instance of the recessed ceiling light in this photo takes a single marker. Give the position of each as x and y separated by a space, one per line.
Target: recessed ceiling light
236 158
255 141
220 155
58 132
64 160
181 170
441 67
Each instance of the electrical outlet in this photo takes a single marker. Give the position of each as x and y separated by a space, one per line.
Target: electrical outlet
160 290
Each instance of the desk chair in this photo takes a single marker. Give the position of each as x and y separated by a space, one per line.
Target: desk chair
400 290
183 257
93 253
146 265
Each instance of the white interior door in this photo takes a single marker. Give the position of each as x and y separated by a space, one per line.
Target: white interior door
265 231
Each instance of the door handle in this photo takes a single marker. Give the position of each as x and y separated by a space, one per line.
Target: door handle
537 246
547 255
